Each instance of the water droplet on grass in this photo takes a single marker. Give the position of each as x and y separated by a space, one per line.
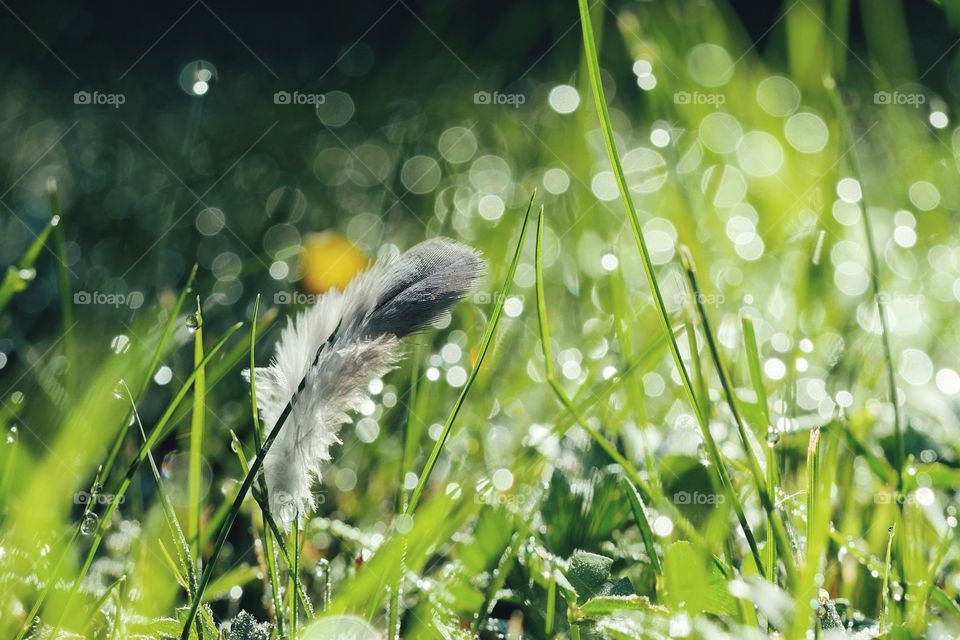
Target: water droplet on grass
773 436
89 523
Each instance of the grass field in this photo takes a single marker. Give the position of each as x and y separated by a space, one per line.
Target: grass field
706 388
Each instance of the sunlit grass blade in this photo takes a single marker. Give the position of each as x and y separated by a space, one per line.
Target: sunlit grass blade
899 448
481 354
606 128
19 276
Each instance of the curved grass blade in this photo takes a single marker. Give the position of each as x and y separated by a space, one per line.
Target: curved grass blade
606 128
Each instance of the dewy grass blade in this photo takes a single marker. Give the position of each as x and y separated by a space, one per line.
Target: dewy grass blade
18 276
484 346
154 363
196 434
593 68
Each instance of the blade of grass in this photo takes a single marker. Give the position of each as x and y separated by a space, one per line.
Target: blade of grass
154 363
484 346
767 500
170 515
640 515
606 128
19 275
278 537
269 555
770 452
63 278
196 434
899 449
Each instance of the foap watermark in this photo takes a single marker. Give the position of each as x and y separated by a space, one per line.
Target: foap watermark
85 498
496 98
494 297
132 300
298 98
295 297
698 498
706 299
98 98
500 499
699 97
899 98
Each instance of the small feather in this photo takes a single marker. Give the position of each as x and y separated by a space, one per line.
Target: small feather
329 352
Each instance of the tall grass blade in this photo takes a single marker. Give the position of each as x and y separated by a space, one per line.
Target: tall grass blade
593 67
194 479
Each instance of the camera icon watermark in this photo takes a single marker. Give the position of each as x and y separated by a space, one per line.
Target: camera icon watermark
699 98
96 98
899 98
298 98
132 300
496 98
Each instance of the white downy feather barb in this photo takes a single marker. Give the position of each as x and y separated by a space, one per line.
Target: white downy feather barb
327 355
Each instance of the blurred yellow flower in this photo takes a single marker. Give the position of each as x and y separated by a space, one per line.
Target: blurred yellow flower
330 261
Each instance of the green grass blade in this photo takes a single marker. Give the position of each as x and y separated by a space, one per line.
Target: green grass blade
640 515
767 499
154 363
19 276
66 299
606 128
196 434
269 555
484 346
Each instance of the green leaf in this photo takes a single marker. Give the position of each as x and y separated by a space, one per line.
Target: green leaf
588 572
693 583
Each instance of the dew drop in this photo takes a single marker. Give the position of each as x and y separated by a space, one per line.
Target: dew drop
120 343
192 322
12 435
89 523
773 436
